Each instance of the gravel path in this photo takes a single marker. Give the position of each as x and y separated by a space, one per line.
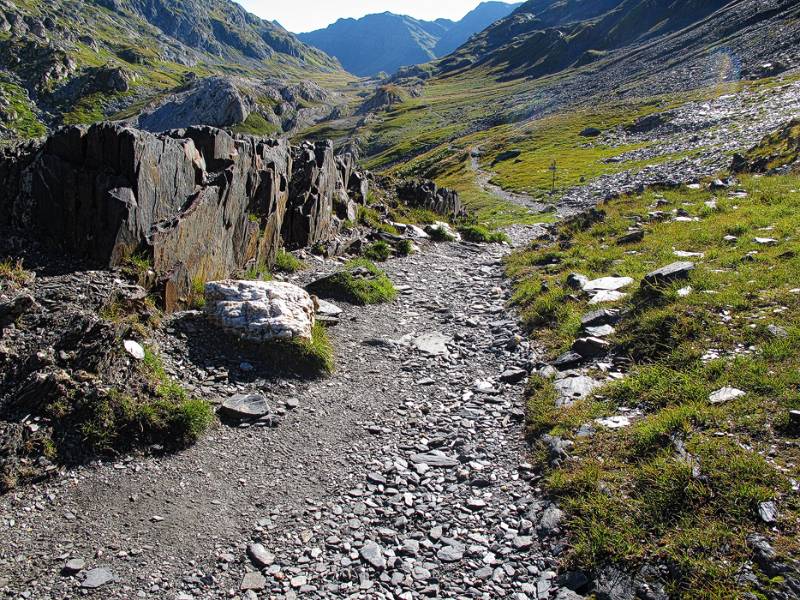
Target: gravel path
484 181
402 475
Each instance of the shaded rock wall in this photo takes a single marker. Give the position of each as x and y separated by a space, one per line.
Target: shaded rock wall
198 202
426 194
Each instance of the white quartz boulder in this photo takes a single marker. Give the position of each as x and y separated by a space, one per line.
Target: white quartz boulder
260 311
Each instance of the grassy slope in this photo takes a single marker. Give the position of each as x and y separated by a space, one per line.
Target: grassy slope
432 135
155 77
632 493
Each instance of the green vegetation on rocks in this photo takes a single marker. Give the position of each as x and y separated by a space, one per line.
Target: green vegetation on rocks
17 107
13 271
684 484
481 234
288 263
359 282
380 251
305 358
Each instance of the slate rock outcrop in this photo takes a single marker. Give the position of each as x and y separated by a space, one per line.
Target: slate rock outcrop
426 194
199 203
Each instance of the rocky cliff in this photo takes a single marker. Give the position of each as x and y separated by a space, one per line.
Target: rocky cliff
197 204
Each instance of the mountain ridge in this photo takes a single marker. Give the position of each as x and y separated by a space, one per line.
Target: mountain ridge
384 42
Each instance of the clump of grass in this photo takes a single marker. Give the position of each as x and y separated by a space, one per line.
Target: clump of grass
184 417
197 294
440 234
114 421
288 263
310 357
380 251
259 271
370 217
359 282
405 248
13 271
481 234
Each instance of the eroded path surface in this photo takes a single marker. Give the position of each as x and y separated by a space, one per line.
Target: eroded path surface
401 476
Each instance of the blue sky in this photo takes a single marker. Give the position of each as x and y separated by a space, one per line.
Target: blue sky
307 15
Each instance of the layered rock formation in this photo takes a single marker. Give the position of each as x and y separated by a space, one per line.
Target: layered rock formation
198 203
426 194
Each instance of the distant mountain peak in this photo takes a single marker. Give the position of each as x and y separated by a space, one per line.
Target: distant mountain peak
384 42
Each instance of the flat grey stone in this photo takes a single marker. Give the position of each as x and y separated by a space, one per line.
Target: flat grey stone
607 284
435 458
616 422
606 296
550 520
433 344
768 512
725 394
575 388
373 554
328 309
246 406
604 316
97 578
672 272
76 565
260 556
591 347
600 331
253 581
450 554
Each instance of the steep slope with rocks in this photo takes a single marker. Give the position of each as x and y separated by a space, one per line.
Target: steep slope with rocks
81 61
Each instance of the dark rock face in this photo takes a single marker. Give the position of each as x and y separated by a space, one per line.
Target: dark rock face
213 101
198 203
426 194
313 184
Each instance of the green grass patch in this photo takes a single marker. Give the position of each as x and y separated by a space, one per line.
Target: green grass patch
256 125
24 121
481 234
359 282
682 485
370 217
405 248
258 271
380 251
288 263
12 270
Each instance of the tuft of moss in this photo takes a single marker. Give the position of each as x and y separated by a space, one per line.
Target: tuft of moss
359 282
481 234
306 358
370 217
380 251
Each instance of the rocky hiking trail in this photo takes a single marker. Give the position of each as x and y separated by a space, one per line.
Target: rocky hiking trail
402 475
484 181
